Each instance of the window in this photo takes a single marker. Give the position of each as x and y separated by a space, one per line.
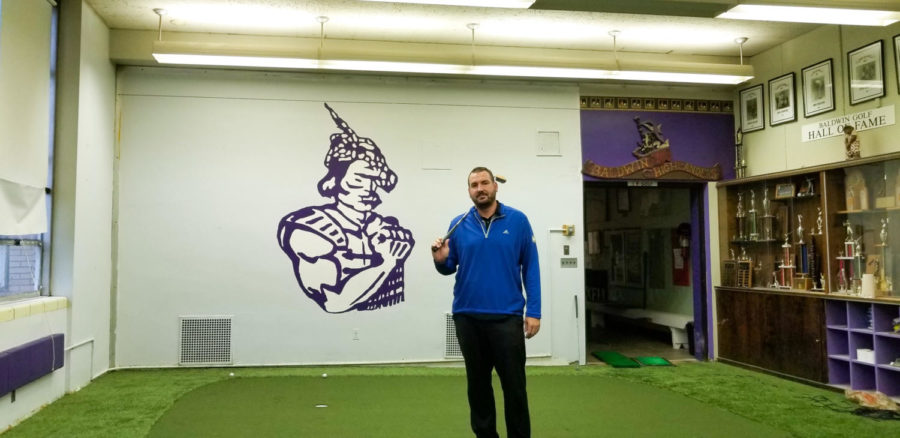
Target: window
20 266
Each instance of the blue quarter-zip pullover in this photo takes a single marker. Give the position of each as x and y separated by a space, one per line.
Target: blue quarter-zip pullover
491 261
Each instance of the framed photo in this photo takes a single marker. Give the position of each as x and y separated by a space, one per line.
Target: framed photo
782 103
818 88
752 111
626 258
897 59
784 191
866 78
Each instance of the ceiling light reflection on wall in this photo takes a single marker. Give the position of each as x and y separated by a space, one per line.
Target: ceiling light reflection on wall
802 14
517 4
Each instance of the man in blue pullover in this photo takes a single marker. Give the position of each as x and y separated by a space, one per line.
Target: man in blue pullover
492 251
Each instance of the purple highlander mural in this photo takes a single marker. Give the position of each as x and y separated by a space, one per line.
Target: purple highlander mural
345 255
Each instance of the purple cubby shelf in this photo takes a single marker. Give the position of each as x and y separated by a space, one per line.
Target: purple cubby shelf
837 343
862 376
859 316
888 381
839 372
836 314
884 315
887 349
852 325
859 340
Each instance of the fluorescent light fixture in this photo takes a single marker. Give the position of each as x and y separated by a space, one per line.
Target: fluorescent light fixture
447 69
804 14
236 61
517 4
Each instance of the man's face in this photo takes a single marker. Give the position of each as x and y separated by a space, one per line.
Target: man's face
482 189
357 187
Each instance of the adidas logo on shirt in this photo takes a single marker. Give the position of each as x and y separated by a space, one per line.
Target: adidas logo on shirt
505 231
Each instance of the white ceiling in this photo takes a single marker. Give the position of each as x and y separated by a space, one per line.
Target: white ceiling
398 22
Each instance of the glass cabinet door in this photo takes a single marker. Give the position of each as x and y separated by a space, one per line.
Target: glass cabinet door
776 234
863 235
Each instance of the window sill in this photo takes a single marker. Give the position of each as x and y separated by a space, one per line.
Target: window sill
31 306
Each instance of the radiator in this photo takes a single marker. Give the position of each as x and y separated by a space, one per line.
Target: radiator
204 340
451 344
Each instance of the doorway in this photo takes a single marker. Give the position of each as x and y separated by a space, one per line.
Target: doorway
645 269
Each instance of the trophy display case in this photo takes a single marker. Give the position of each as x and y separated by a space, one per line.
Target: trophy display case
825 230
776 227
809 259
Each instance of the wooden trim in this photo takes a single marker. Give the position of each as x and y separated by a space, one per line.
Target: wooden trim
821 295
777 374
772 291
812 169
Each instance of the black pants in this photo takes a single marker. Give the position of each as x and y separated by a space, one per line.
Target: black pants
499 344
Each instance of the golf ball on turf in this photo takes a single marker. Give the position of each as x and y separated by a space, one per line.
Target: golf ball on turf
231 374
324 375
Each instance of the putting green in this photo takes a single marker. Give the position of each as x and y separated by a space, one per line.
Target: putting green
435 406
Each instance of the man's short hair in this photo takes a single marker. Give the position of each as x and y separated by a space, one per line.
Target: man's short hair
480 169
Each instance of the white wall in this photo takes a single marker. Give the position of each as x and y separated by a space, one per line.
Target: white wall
81 263
212 160
779 148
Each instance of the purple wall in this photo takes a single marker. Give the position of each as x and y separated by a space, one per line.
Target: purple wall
702 139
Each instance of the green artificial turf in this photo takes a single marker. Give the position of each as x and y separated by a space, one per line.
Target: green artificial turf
128 403
435 406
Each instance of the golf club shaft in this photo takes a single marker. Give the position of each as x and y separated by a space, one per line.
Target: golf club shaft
453 228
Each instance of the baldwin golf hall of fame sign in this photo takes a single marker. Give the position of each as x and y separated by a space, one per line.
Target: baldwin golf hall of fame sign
861 121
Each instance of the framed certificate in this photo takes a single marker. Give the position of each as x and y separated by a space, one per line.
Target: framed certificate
752 110
866 73
782 101
818 88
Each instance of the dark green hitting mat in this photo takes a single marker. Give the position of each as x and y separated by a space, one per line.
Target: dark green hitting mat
616 360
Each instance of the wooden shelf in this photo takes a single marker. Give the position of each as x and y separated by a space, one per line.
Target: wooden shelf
870 211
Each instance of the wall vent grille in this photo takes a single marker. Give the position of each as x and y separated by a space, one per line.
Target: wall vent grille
205 340
451 344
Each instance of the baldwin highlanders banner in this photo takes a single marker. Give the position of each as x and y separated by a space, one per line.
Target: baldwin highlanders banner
861 121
